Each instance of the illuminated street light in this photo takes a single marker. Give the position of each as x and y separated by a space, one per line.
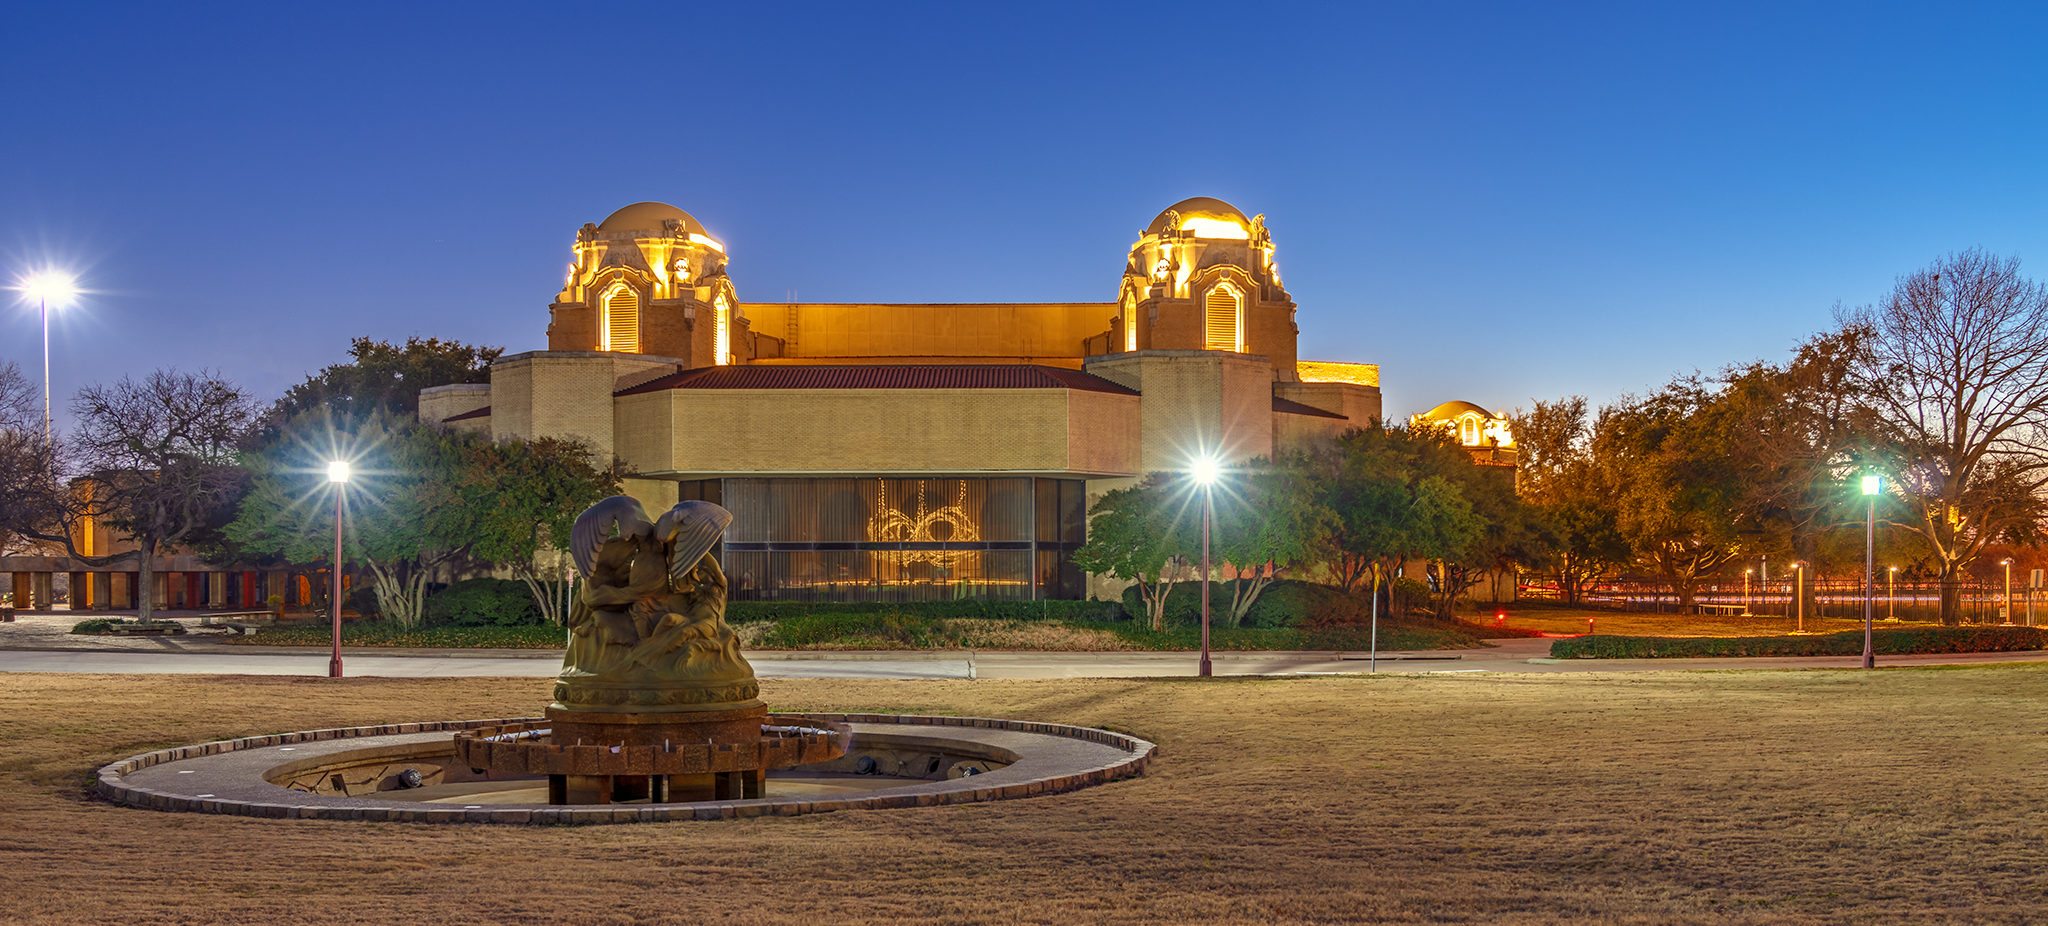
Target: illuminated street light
47 287
2005 613
1799 592
1746 573
1205 471
1891 596
337 474
1872 485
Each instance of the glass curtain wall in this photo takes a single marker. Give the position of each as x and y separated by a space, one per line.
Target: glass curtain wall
899 539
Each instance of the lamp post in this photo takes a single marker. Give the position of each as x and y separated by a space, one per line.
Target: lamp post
1763 583
2005 612
1746 573
1891 596
46 286
337 474
1205 473
1872 485
1799 592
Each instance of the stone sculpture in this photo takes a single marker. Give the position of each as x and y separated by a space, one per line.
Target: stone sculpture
648 630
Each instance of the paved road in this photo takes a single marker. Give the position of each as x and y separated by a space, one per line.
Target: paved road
40 643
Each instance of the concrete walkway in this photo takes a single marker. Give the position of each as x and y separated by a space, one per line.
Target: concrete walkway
43 643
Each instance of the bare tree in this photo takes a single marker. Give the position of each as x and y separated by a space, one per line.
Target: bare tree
1956 365
27 477
154 460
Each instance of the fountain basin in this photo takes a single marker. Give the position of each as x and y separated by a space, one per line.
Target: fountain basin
895 761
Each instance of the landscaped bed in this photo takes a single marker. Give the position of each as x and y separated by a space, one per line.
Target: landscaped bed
1887 642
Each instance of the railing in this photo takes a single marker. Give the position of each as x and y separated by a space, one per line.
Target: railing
1831 598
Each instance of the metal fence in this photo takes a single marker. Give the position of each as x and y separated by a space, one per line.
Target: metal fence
1831 598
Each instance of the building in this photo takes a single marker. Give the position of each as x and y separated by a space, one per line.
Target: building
1488 437
911 452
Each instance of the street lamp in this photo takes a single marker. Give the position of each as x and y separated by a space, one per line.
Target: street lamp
1891 596
1799 591
1872 485
1205 471
2005 613
337 474
1746 573
46 287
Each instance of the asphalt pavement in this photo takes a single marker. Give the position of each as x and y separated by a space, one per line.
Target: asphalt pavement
42 643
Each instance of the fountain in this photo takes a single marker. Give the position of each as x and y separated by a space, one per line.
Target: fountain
654 701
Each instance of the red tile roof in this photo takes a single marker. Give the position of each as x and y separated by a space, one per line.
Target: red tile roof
903 376
1290 407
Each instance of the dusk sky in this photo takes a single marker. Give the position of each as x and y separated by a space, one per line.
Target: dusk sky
1494 202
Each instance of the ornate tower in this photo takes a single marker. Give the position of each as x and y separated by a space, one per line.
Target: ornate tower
1203 278
649 280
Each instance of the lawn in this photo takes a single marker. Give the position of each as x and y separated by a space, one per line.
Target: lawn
1793 797
1553 618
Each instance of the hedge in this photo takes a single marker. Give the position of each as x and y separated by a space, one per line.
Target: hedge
1888 642
483 603
747 612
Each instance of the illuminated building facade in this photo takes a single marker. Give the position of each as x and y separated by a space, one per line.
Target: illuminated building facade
1488 437
910 452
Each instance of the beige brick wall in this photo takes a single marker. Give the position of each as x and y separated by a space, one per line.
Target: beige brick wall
1196 402
441 403
1360 404
933 331
712 431
1295 433
565 394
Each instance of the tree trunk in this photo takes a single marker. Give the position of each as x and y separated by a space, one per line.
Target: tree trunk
145 597
1951 596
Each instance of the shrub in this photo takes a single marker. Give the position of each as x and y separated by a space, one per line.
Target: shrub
363 600
856 629
747 612
483 603
95 625
1285 603
1888 642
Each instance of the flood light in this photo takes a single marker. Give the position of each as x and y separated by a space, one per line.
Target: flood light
1206 469
1872 485
337 471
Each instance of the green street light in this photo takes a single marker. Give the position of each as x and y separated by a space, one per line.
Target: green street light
1873 485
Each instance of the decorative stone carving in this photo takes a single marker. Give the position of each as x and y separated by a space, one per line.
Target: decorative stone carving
648 631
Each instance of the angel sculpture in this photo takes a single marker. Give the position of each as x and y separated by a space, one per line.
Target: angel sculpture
649 628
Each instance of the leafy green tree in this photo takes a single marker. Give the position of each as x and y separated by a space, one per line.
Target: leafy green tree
1394 496
1268 520
1559 478
1675 492
522 499
29 487
385 377
1144 534
403 508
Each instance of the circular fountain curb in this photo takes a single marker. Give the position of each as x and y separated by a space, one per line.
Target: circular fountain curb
1088 756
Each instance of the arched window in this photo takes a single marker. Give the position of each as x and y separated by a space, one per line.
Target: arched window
1225 319
1468 430
621 319
721 332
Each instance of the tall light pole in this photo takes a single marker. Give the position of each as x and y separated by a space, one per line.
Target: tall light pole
1872 485
1205 472
46 286
1746 573
1799 592
2005 613
337 475
1891 596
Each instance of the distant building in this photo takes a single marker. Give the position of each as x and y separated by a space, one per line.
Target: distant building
1487 436
907 452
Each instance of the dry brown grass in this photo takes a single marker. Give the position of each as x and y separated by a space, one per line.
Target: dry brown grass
1640 798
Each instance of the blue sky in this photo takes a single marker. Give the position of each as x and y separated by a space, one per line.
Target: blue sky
1495 202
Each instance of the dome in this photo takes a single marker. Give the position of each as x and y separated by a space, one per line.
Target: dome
1450 410
647 217
1202 207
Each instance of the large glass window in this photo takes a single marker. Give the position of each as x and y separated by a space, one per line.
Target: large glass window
900 539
